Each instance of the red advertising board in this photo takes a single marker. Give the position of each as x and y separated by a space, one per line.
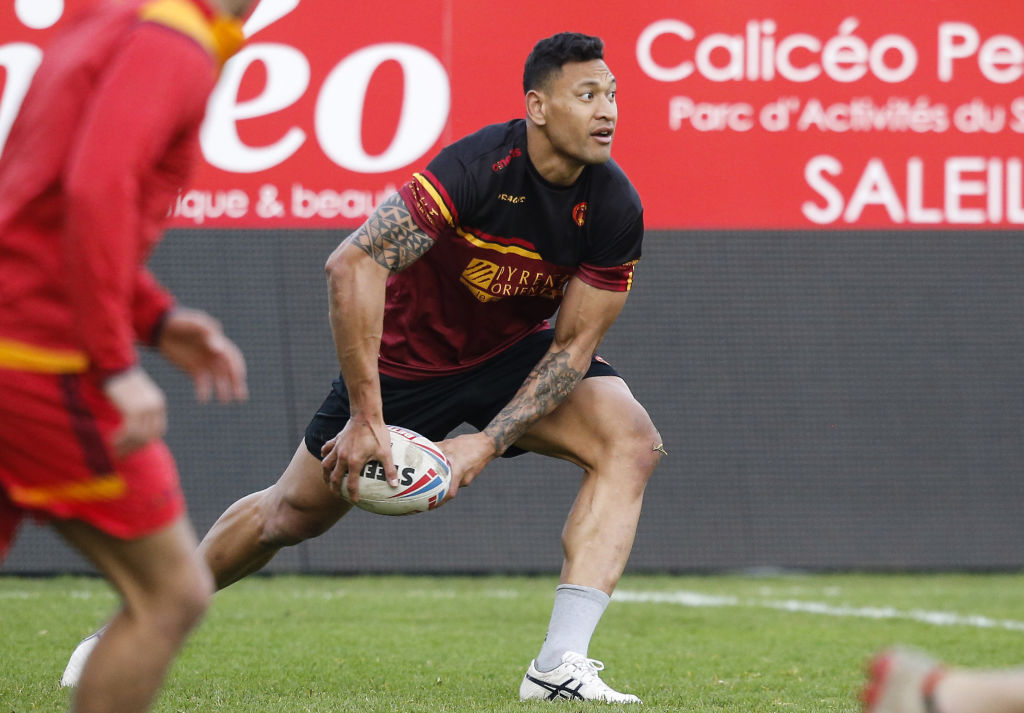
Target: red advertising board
747 114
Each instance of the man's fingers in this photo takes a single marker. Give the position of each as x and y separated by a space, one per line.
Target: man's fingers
219 370
390 470
351 484
239 385
327 447
204 387
330 459
225 387
453 490
235 372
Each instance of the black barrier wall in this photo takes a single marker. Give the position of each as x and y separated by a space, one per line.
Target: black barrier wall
829 400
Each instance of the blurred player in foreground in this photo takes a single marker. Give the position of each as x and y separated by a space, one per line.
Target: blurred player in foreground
106 135
438 306
907 681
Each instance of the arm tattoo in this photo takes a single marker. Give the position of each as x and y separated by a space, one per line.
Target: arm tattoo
391 237
548 385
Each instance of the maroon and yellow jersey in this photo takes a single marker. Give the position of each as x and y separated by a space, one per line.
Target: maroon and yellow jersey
507 243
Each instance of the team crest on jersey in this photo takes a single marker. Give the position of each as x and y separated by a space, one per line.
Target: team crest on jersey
579 213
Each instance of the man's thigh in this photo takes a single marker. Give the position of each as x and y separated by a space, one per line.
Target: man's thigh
303 490
163 561
589 426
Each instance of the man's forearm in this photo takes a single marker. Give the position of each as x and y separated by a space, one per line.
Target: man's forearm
547 386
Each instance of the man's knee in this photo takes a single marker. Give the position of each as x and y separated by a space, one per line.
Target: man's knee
641 444
174 603
604 430
626 452
193 595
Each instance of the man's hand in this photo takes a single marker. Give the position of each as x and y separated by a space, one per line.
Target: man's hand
345 455
194 341
468 454
142 406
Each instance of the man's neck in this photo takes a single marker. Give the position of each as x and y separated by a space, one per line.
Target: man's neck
552 166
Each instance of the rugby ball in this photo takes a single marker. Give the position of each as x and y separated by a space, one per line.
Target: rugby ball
424 475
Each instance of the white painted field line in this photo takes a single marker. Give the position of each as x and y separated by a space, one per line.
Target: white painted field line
936 618
72 593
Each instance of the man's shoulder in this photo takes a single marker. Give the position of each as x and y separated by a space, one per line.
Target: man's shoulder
612 182
493 139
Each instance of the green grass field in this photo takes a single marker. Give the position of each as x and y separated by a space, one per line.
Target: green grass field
741 644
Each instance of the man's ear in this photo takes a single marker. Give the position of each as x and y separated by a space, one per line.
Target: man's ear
536 104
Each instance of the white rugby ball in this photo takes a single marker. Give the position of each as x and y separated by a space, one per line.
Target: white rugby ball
424 475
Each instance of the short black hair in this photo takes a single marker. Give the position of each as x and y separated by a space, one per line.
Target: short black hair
551 53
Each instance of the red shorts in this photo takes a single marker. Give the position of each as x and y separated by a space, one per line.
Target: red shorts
56 461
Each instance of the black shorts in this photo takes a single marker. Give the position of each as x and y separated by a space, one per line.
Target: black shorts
436 407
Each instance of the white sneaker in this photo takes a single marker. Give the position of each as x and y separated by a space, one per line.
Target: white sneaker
79 656
576 678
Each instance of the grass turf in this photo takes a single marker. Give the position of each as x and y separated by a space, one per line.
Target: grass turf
737 644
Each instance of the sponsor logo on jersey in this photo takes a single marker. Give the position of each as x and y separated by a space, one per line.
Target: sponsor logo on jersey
489 281
500 164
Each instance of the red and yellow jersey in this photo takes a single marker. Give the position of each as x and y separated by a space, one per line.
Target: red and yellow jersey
107 134
507 242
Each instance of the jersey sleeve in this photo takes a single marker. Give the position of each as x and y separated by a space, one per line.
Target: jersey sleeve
610 265
438 194
428 205
154 90
151 303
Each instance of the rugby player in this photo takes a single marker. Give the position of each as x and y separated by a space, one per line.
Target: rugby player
439 307
106 134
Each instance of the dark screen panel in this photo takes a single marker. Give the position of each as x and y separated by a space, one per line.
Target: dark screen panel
830 400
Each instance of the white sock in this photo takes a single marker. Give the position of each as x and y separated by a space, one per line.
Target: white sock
573 620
